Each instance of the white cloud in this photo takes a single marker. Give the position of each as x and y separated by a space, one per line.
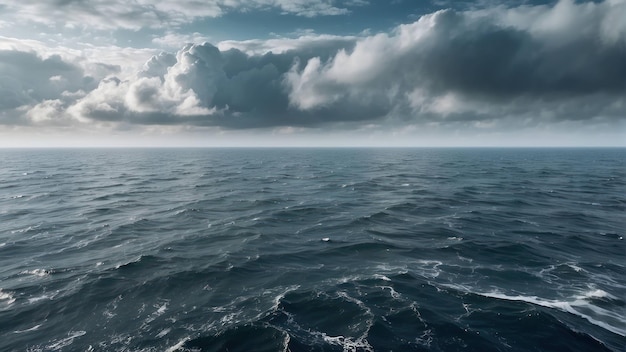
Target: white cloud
310 42
176 40
96 61
114 14
485 69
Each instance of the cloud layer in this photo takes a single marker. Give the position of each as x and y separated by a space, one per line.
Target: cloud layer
525 66
114 14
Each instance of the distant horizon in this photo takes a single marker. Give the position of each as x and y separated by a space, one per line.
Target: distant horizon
322 147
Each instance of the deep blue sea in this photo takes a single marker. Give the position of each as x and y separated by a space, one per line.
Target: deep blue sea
313 250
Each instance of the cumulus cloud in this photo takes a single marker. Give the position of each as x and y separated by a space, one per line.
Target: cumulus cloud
29 80
38 83
482 65
526 66
114 14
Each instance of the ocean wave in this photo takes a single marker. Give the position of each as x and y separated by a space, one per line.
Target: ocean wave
578 305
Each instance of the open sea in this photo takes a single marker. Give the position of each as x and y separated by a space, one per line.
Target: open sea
313 250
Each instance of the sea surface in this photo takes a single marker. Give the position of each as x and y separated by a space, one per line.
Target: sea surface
313 250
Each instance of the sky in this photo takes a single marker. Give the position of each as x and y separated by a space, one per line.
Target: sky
393 73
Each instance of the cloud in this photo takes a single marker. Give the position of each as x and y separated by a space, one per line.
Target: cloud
36 90
31 80
486 69
310 44
173 40
481 65
38 83
115 14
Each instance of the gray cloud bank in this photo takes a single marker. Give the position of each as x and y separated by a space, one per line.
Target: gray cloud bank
526 65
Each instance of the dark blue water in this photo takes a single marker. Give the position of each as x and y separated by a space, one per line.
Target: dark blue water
313 250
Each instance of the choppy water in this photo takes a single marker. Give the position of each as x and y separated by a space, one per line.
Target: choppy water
313 250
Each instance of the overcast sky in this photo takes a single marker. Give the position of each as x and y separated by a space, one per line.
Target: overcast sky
312 73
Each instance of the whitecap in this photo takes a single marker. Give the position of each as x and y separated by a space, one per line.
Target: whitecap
381 277
347 343
39 298
178 345
280 296
595 293
6 297
394 294
350 344
163 333
576 307
286 342
393 269
426 339
36 327
26 229
160 309
576 268
37 272
60 344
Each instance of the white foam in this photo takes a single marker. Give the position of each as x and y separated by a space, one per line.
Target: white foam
40 298
286 342
381 277
36 327
576 307
163 333
426 339
393 269
360 342
160 310
26 229
58 345
281 295
576 268
429 268
348 344
177 346
6 297
36 272
394 294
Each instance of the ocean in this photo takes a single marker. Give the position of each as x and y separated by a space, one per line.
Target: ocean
313 249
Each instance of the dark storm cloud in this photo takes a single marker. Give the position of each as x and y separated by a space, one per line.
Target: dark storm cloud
484 58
